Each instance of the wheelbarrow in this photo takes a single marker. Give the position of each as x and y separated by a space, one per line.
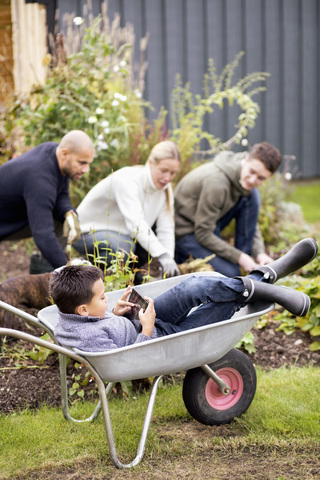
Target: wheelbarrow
219 384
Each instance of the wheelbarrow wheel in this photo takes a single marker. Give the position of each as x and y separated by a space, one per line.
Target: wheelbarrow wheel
203 398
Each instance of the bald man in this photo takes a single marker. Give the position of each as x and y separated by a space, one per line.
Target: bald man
34 193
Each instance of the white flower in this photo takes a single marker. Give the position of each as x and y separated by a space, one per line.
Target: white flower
137 93
115 103
99 111
121 97
115 143
104 123
102 145
78 21
100 137
116 68
92 119
288 176
107 130
123 63
244 142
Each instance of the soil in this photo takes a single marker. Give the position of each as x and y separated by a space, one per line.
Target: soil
26 383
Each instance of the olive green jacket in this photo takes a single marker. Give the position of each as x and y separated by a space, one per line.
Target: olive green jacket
205 195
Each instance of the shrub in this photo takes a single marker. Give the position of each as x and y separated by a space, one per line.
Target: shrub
311 322
92 90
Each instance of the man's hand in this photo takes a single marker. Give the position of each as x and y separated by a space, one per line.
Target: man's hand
169 266
246 262
264 259
71 227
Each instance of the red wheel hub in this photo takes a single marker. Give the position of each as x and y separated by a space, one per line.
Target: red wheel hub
216 398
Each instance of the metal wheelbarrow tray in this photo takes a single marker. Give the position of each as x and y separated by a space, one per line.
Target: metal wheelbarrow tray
220 381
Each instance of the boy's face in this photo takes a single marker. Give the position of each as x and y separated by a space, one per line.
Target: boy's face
253 173
98 305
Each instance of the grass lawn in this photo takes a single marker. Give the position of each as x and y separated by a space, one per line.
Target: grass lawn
277 438
307 194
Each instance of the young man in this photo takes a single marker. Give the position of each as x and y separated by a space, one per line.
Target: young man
84 322
210 196
34 194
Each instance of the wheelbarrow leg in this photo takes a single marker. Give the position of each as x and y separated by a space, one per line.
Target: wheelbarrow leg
64 394
108 425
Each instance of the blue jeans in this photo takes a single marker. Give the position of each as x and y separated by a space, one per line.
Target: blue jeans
216 299
245 212
103 243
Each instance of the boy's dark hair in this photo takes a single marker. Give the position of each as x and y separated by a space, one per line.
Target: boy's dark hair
267 154
72 286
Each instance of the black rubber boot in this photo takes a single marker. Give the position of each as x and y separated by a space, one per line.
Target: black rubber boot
297 303
299 255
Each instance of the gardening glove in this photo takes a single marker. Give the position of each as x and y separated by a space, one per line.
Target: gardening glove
169 266
71 227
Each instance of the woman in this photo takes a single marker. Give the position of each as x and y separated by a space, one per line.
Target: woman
132 210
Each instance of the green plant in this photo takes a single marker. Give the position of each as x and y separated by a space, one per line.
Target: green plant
247 343
92 90
311 322
17 354
81 378
20 355
188 111
281 222
40 354
119 268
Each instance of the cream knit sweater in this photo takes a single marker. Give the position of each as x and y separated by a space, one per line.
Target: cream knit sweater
128 202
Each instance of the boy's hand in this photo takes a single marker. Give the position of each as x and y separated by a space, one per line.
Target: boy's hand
122 305
147 318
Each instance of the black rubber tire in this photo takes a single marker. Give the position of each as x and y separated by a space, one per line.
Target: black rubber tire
238 371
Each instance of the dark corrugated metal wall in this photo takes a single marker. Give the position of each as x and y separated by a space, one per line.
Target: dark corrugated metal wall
278 36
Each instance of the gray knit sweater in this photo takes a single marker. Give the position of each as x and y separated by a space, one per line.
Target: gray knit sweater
92 334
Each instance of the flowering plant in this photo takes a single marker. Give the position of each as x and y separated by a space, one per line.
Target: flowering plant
91 90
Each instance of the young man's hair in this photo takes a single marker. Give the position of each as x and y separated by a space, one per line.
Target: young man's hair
72 286
267 154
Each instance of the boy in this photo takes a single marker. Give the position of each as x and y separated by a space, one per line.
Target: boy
84 322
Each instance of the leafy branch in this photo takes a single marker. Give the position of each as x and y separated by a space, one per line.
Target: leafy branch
188 111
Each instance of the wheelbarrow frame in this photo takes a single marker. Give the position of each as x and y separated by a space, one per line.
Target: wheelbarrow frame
129 363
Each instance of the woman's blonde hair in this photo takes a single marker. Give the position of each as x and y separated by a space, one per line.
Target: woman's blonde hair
163 151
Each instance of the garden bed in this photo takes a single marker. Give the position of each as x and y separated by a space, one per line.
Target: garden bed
36 384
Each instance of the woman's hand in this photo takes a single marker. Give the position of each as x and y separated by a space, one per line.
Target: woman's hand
122 305
147 318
